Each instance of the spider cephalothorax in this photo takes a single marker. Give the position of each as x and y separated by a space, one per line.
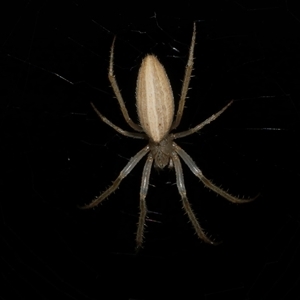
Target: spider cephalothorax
162 152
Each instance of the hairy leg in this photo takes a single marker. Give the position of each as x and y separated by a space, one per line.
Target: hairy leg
128 168
143 206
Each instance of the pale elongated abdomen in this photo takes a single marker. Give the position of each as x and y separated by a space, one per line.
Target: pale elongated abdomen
154 98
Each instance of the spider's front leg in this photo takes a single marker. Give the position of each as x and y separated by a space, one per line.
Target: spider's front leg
143 206
186 204
197 172
128 168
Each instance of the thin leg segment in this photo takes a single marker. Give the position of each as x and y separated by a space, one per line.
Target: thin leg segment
117 92
197 172
136 135
186 81
201 125
128 168
186 204
143 206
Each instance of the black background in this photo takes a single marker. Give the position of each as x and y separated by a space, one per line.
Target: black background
56 153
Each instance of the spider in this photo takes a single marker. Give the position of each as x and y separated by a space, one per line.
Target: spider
155 108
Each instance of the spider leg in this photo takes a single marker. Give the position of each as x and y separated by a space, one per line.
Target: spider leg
143 206
186 204
128 168
201 125
186 81
136 135
117 92
197 172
